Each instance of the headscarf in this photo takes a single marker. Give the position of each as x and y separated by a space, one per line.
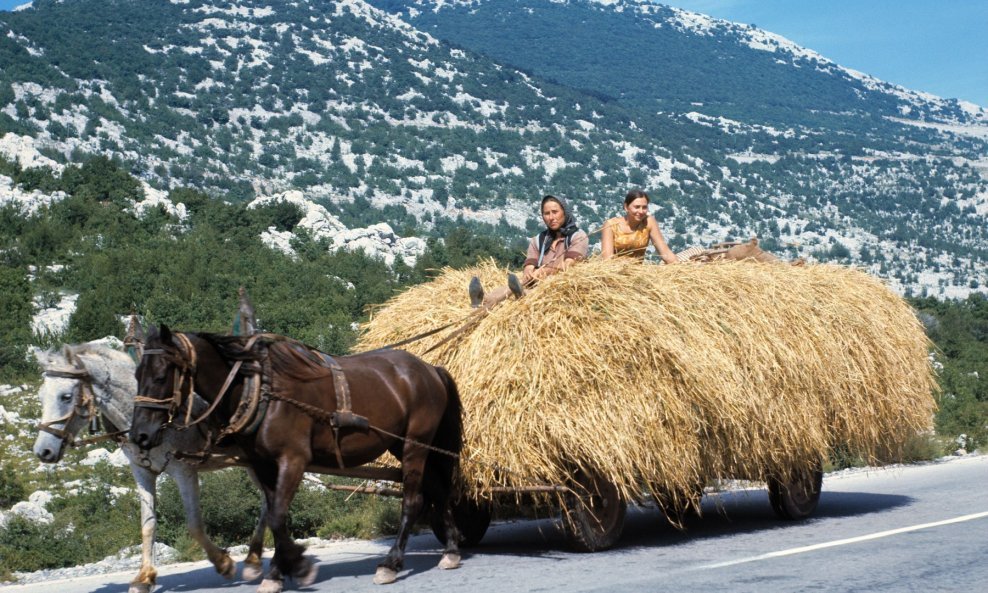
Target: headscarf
566 231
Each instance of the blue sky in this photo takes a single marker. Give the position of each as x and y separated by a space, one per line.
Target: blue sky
937 46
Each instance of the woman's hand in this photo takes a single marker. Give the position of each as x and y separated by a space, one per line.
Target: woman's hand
528 274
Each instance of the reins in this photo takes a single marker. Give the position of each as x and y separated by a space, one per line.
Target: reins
183 373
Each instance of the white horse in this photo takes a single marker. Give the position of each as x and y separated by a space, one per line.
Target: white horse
89 379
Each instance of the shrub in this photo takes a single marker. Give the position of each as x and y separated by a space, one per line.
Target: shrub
26 546
373 517
230 507
11 490
231 504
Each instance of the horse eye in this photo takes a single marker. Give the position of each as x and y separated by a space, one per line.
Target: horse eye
67 396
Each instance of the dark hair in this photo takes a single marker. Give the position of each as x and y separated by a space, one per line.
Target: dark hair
634 195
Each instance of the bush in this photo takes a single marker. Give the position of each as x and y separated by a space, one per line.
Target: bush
925 447
26 546
374 517
231 504
11 490
86 528
230 507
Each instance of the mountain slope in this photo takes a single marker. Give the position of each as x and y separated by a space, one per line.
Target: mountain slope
658 57
353 105
334 97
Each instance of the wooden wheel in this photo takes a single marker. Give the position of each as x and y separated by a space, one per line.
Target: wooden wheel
472 519
795 496
593 513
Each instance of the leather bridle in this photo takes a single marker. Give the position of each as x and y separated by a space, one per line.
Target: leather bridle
184 368
84 406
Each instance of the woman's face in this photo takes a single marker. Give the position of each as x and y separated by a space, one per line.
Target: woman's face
637 209
553 215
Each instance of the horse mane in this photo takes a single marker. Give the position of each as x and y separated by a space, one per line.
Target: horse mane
285 355
230 347
297 361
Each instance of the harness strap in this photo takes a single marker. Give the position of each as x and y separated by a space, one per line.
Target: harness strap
250 411
251 388
343 414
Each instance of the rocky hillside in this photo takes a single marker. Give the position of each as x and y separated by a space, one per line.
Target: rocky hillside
429 111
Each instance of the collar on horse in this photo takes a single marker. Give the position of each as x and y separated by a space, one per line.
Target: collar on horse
183 389
256 392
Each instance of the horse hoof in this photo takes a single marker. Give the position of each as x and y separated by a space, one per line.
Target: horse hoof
306 574
252 571
449 562
385 576
227 567
139 588
270 586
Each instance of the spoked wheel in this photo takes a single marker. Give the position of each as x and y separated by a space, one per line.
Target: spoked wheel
796 495
472 519
594 513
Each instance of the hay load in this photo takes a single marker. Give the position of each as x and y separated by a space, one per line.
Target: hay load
668 376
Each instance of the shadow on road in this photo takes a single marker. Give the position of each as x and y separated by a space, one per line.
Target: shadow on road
724 514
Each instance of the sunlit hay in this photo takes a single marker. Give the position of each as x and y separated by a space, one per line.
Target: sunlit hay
436 304
669 376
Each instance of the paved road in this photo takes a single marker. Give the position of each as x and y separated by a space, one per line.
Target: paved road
918 528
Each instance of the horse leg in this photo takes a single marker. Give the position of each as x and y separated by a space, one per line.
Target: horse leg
288 558
441 469
451 555
412 466
187 480
253 566
437 485
145 480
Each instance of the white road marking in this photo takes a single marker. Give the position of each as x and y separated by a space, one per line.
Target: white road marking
842 542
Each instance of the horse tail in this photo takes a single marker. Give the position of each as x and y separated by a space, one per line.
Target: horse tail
450 433
442 467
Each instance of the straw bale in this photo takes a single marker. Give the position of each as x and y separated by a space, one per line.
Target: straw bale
669 376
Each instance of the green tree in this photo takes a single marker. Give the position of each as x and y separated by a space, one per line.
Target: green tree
15 324
95 317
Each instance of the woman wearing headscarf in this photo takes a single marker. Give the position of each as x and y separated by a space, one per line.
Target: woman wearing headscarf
553 250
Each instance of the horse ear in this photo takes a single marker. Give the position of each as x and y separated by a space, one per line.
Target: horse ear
42 356
165 334
71 357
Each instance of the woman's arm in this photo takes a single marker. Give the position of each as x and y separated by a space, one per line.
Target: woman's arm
607 240
660 243
578 248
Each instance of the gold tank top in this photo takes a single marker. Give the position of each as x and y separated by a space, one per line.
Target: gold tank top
631 244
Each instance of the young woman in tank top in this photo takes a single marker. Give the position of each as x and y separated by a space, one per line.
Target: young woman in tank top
629 235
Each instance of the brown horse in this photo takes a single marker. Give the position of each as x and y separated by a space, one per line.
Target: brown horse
400 404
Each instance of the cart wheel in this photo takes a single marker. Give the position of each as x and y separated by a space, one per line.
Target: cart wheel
472 519
796 497
594 513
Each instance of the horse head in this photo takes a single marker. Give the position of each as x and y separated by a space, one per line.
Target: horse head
164 382
67 402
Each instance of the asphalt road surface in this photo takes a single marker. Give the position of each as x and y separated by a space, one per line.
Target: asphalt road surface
920 528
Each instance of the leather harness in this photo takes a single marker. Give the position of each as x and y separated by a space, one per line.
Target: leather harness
256 394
